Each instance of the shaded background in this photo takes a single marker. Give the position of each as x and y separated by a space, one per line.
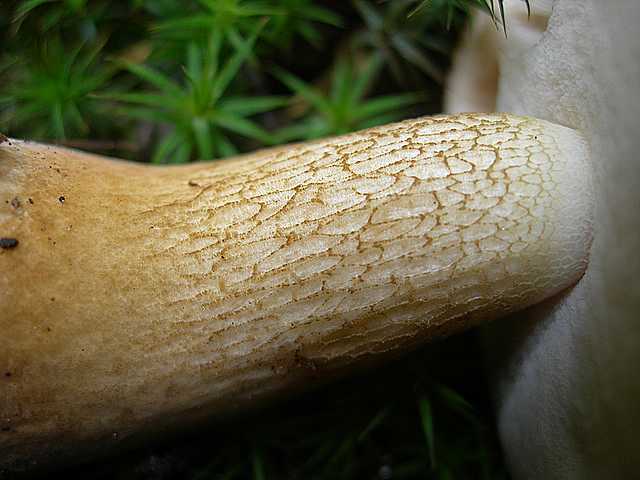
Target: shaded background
170 81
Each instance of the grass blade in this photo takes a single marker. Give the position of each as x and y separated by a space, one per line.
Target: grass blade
304 90
202 134
366 77
165 148
426 415
374 423
241 126
258 465
232 66
385 104
154 77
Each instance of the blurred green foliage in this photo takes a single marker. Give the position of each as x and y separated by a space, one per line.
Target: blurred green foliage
52 91
343 108
197 109
405 36
176 81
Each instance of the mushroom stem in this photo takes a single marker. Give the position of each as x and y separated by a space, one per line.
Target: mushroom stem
145 297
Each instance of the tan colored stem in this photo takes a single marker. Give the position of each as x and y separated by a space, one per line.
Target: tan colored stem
142 297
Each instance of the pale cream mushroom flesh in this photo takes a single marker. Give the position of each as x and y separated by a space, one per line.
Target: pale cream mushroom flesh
139 298
567 390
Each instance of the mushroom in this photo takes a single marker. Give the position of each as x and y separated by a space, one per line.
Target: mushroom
136 299
565 373
141 299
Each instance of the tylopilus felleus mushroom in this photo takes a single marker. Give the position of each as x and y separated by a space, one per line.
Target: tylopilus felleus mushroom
137 298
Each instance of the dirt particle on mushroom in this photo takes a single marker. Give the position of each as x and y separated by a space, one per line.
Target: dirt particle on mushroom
3 138
61 199
7 243
15 203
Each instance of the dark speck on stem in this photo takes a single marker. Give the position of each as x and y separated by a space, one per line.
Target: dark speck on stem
61 199
7 243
